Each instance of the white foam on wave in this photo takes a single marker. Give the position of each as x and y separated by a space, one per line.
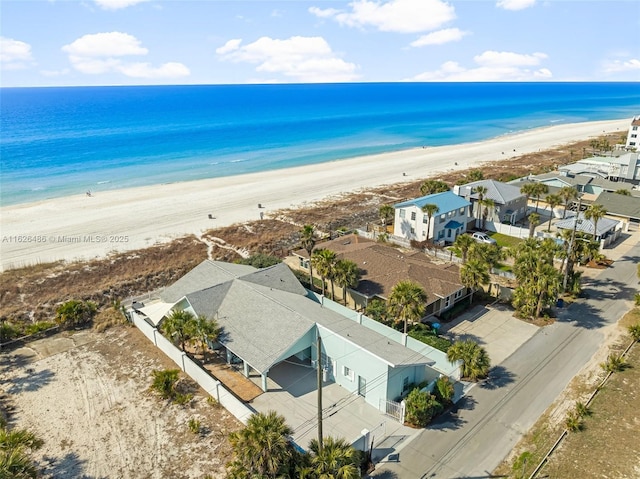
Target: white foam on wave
103 182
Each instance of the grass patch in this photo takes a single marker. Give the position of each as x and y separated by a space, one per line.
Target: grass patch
426 335
506 241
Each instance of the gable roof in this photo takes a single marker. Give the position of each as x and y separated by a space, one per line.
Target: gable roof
500 193
586 226
446 201
265 313
620 205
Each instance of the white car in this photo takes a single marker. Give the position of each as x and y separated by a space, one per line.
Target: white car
483 238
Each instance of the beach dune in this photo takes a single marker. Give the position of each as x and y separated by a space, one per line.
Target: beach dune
84 227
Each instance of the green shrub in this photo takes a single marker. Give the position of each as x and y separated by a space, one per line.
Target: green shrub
75 313
211 401
426 335
444 390
457 309
8 331
614 363
260 260
194 425
634 331
37 327
421 408
574 422
164 382
582 409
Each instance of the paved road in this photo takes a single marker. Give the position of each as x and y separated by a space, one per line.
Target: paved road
472 441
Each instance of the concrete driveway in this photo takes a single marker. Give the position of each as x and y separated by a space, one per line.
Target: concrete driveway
292 392
494 327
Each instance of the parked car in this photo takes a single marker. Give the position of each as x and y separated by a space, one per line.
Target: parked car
483 238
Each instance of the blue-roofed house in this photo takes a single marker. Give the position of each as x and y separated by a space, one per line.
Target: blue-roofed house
447 223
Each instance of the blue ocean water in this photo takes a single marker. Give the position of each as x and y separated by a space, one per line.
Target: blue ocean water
61 141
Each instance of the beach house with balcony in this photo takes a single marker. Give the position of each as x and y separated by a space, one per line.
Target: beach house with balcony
633 140
267 317
449 219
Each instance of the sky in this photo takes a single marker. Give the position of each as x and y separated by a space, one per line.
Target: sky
150 42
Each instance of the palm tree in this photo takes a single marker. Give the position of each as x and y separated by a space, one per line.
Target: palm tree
204 331
308 241
407 302
430 187
337 459
324 260
262 448
480 191
552 201
179 326
347 275
534 220
567 193
464 243
547 284
528 189
430 209
475 360
386 213
473 274
595 213
487 203
538 190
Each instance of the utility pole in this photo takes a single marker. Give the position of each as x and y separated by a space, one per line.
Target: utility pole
319 362
571 242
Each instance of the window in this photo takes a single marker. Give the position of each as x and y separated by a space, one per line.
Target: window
413 230
424 233
634 136
447 302
461 211
632 143
442 218
402 213
413 216
348 373
634 128
304 263
405 384
425 219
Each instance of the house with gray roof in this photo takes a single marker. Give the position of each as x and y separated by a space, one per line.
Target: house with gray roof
605 226
509 204
450 219
622 207
266 317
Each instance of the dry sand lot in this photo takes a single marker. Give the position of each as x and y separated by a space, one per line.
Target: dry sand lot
87 396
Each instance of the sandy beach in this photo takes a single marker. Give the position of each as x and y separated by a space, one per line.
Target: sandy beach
83 227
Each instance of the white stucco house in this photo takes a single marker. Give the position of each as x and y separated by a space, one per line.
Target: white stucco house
267 317
633 140
449 221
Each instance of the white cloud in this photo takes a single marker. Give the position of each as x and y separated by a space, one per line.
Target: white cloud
492 59
304 59
117 4
14 54
228 47
617 66
492 66
111 44
515 4
440 37
401 16
101 53
146 70
55 73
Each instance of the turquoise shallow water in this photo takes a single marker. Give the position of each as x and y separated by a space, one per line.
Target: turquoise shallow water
61 141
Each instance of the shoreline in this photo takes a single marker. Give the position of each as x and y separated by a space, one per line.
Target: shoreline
82 227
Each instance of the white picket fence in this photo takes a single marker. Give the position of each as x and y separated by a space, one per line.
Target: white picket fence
212 386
